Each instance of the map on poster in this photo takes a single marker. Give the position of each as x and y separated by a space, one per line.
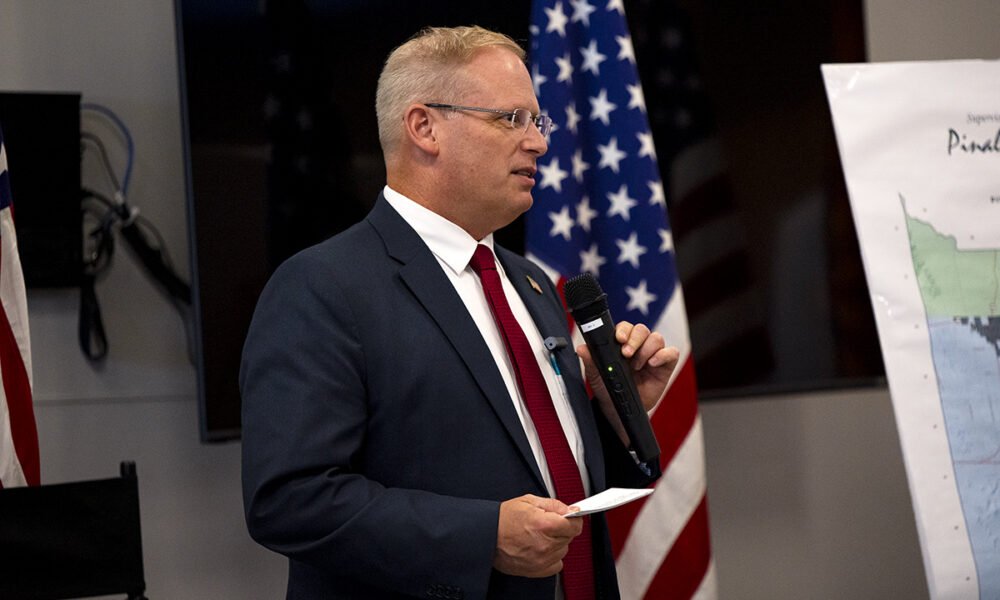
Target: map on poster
960 290
920 145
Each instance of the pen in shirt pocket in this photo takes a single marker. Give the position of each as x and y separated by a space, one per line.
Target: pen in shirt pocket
552 344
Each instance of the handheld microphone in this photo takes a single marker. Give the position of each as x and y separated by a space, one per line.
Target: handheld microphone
589 306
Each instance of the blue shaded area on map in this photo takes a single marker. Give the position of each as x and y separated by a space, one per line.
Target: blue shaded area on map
968 373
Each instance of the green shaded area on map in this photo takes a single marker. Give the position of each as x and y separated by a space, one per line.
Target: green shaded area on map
952 281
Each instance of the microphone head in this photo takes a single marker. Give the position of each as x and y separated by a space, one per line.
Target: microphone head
585 297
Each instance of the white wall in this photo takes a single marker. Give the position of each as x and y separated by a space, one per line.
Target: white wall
931 29
808 498
807 493
122 55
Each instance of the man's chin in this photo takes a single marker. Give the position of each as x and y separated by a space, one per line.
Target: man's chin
525 201
515 212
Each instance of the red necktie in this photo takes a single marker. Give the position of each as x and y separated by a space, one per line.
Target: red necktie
578 566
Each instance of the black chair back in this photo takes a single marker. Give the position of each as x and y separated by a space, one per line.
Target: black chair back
72 540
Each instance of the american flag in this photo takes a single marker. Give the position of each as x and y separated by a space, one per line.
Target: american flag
600 207
18 436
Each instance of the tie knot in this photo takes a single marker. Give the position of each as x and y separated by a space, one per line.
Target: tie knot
482 260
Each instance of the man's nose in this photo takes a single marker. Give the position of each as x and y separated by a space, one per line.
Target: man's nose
534 141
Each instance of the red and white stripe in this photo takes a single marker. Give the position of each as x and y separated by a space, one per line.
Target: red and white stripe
19 461
662 544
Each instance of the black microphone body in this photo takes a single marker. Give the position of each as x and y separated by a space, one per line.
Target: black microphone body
589 306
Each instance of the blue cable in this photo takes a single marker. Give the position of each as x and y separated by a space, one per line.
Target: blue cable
130 146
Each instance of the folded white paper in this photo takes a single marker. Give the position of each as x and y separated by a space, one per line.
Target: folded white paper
609 498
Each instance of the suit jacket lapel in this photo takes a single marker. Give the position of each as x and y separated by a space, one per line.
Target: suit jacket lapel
422 274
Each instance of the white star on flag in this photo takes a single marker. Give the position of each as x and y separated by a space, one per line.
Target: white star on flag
630 250
636 98
557 20
639 297
591 260
592 59
572 117
621 204
646 147
658 197
537 79
625 49
581 11
666 241
600 107
618 5
562 223
610 155
565 64
552 175
585 214
580 166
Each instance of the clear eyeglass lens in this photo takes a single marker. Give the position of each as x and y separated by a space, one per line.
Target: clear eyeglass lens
544 124
521 119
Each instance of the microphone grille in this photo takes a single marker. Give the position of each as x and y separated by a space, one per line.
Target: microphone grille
582 290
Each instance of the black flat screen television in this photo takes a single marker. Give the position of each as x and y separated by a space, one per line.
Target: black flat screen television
282 151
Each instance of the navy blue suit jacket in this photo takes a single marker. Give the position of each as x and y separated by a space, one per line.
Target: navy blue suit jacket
378 436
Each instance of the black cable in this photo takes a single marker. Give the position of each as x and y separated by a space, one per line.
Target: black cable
152 259
103 151
89 194
161 244
112 212
90 325
102 239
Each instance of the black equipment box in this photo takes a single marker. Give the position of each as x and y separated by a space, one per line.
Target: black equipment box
41 134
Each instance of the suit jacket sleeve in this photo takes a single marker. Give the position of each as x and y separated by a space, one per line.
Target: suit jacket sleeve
304 424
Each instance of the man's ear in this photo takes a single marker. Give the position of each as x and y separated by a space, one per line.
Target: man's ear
419 126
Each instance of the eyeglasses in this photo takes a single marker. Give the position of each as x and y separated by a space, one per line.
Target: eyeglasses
519 118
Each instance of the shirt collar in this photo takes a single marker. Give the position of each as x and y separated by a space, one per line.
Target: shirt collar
447 241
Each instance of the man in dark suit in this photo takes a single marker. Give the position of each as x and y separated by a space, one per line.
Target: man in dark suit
393 444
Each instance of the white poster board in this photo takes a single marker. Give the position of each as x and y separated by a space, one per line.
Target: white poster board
920 146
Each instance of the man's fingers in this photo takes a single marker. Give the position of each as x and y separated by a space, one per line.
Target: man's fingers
550 520
546 504
631 337
533 536
558 527
650 346
667 356
622 332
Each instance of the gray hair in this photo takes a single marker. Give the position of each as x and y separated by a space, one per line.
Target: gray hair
426 67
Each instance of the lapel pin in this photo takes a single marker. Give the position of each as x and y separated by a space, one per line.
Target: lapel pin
534 284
